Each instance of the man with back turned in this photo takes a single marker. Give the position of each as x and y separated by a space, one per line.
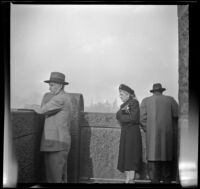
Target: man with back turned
158 115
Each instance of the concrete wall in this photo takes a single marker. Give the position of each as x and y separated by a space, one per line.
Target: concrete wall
99 147
188 120
93 156
183 93
27 128
183 30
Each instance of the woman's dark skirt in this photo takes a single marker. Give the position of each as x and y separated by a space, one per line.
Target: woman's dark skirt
130 149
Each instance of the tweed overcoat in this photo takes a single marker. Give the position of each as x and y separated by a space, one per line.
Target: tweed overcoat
157 114
56 133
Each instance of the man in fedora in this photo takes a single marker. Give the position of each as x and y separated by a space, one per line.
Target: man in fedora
158 113
56 139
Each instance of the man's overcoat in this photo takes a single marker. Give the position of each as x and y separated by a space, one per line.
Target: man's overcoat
156 116
56 134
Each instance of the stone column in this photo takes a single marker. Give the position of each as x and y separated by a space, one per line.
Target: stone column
188 136
74 155
183 28
183 94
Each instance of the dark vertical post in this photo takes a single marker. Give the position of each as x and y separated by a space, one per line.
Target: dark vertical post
183 93
74 155
9 160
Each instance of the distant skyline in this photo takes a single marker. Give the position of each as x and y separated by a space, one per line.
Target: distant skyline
97 47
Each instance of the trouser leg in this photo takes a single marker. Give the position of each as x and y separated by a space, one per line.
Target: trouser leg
65 175
154 171
166 171
54 163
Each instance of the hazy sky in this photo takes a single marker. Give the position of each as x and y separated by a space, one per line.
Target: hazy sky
97 47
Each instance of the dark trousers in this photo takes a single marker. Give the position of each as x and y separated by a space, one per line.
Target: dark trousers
160 171
56 166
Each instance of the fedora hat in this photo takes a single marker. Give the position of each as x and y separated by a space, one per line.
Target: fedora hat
157 87
57 77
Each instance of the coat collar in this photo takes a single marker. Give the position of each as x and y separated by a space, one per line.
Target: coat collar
60 92
126 103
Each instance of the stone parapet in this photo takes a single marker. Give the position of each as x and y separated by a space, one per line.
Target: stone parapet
99 147
93 119
27 129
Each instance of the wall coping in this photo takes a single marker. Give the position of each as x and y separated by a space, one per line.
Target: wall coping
96 119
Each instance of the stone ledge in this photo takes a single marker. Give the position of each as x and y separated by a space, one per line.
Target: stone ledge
25 123
91 119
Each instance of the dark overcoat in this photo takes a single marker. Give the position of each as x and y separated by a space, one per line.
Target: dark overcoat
130 147
156 116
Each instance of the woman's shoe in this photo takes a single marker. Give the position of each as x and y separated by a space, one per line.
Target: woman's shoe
131 181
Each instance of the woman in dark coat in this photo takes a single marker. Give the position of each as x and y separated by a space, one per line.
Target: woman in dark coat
130 148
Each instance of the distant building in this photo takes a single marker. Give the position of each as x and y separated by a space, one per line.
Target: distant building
105 107
31 106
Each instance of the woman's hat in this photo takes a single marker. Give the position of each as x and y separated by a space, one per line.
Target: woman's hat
157 87
126 88
57 77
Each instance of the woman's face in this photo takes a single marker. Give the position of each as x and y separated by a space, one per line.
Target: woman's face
54 87
123 95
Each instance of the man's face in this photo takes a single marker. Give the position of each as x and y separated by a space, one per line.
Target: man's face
54 87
